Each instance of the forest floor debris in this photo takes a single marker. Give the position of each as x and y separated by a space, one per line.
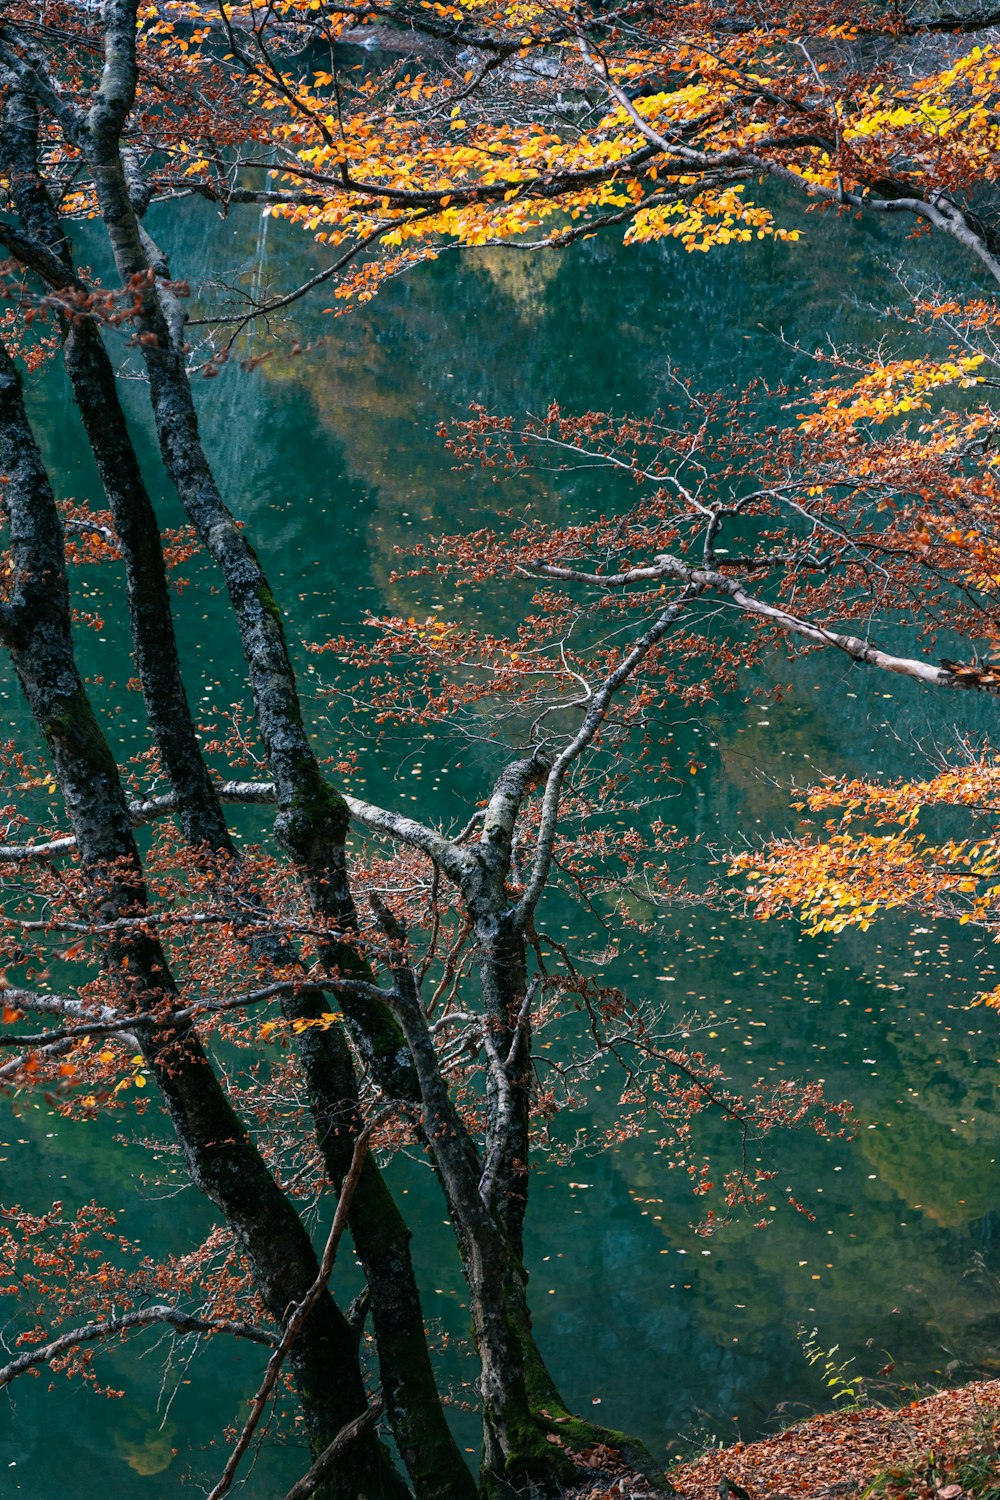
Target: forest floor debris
943 1447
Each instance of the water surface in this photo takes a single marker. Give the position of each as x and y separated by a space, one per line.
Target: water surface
332 460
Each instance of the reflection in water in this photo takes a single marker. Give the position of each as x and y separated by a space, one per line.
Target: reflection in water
333 456
151 1453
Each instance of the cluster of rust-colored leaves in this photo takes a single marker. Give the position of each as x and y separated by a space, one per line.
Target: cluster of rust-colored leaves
67 1269
875 501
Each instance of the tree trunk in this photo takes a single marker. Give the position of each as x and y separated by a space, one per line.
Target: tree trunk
381 1239
380 1234
503 970
221 1158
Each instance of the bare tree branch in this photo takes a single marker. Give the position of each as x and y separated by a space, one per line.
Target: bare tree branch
310 1481
859 650
593 719
90 1333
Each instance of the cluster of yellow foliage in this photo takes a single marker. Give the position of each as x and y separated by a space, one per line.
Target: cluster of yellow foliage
889 390
548 120
848 877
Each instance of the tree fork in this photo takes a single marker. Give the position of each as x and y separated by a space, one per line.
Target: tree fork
412 1400
312 818
501 936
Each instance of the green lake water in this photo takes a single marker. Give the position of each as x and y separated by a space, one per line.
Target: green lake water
332 461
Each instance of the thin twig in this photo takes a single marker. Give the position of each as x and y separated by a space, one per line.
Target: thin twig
299 1313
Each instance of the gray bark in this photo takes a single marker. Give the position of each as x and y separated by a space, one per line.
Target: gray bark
222 1160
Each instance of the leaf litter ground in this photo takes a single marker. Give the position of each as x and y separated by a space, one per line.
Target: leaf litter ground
915 1450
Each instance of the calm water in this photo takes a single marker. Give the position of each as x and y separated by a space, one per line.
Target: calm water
332 457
